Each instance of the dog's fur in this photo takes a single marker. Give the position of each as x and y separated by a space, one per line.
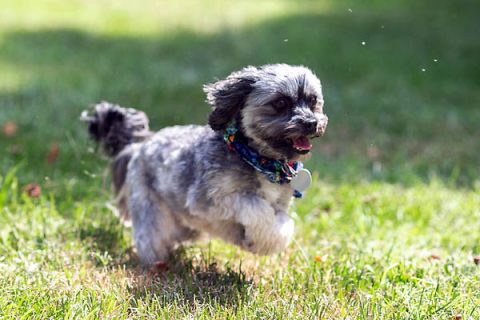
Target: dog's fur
181 183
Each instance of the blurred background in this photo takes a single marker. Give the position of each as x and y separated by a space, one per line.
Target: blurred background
401 79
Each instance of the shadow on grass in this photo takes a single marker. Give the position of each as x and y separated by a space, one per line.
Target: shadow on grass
191 282
185 278
392 119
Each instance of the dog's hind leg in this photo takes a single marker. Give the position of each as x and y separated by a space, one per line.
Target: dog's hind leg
155 230
119 167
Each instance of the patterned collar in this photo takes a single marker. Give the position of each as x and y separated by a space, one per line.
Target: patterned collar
277 171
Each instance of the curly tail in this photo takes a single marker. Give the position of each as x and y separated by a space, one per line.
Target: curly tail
114 127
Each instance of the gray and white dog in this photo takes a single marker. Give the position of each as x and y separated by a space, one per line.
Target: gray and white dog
183 182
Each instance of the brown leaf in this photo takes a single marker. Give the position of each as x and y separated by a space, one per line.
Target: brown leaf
33 190
53 153
457 317
9 129
320 258
476 260
434 257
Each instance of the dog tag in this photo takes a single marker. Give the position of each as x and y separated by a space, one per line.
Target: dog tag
302 180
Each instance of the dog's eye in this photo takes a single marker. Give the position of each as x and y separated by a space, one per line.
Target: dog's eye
281 104
312 101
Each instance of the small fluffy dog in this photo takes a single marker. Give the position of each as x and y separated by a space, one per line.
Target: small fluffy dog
231 179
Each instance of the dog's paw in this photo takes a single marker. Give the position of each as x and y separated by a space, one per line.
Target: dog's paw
267 239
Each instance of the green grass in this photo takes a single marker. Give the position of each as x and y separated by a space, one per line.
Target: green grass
389 229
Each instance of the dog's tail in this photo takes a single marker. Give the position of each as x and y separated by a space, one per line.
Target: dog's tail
114 127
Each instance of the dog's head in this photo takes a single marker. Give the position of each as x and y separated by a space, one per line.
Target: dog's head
278 107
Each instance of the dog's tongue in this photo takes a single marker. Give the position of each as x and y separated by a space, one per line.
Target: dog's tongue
302 143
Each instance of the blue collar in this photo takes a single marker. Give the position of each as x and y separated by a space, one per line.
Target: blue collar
276 171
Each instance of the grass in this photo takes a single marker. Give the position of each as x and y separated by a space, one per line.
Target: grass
387 231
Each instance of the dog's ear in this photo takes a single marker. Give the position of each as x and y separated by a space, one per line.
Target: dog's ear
228 96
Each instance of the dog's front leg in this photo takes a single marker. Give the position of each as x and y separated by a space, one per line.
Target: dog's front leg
267 230
247 221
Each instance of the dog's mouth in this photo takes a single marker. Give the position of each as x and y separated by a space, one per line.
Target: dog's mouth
301 144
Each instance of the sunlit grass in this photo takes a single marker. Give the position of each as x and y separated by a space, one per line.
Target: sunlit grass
360 251
147 17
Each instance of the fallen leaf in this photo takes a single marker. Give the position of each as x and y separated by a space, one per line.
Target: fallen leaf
319 259
53 153
457 317
434 257
476 260
9 129
33 190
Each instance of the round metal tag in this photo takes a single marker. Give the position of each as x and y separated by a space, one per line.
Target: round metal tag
302 180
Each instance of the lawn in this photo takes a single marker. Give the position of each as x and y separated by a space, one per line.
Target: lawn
389 229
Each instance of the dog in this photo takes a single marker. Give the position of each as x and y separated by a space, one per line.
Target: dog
232 179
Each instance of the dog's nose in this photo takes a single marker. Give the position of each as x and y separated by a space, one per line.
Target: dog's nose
311 125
